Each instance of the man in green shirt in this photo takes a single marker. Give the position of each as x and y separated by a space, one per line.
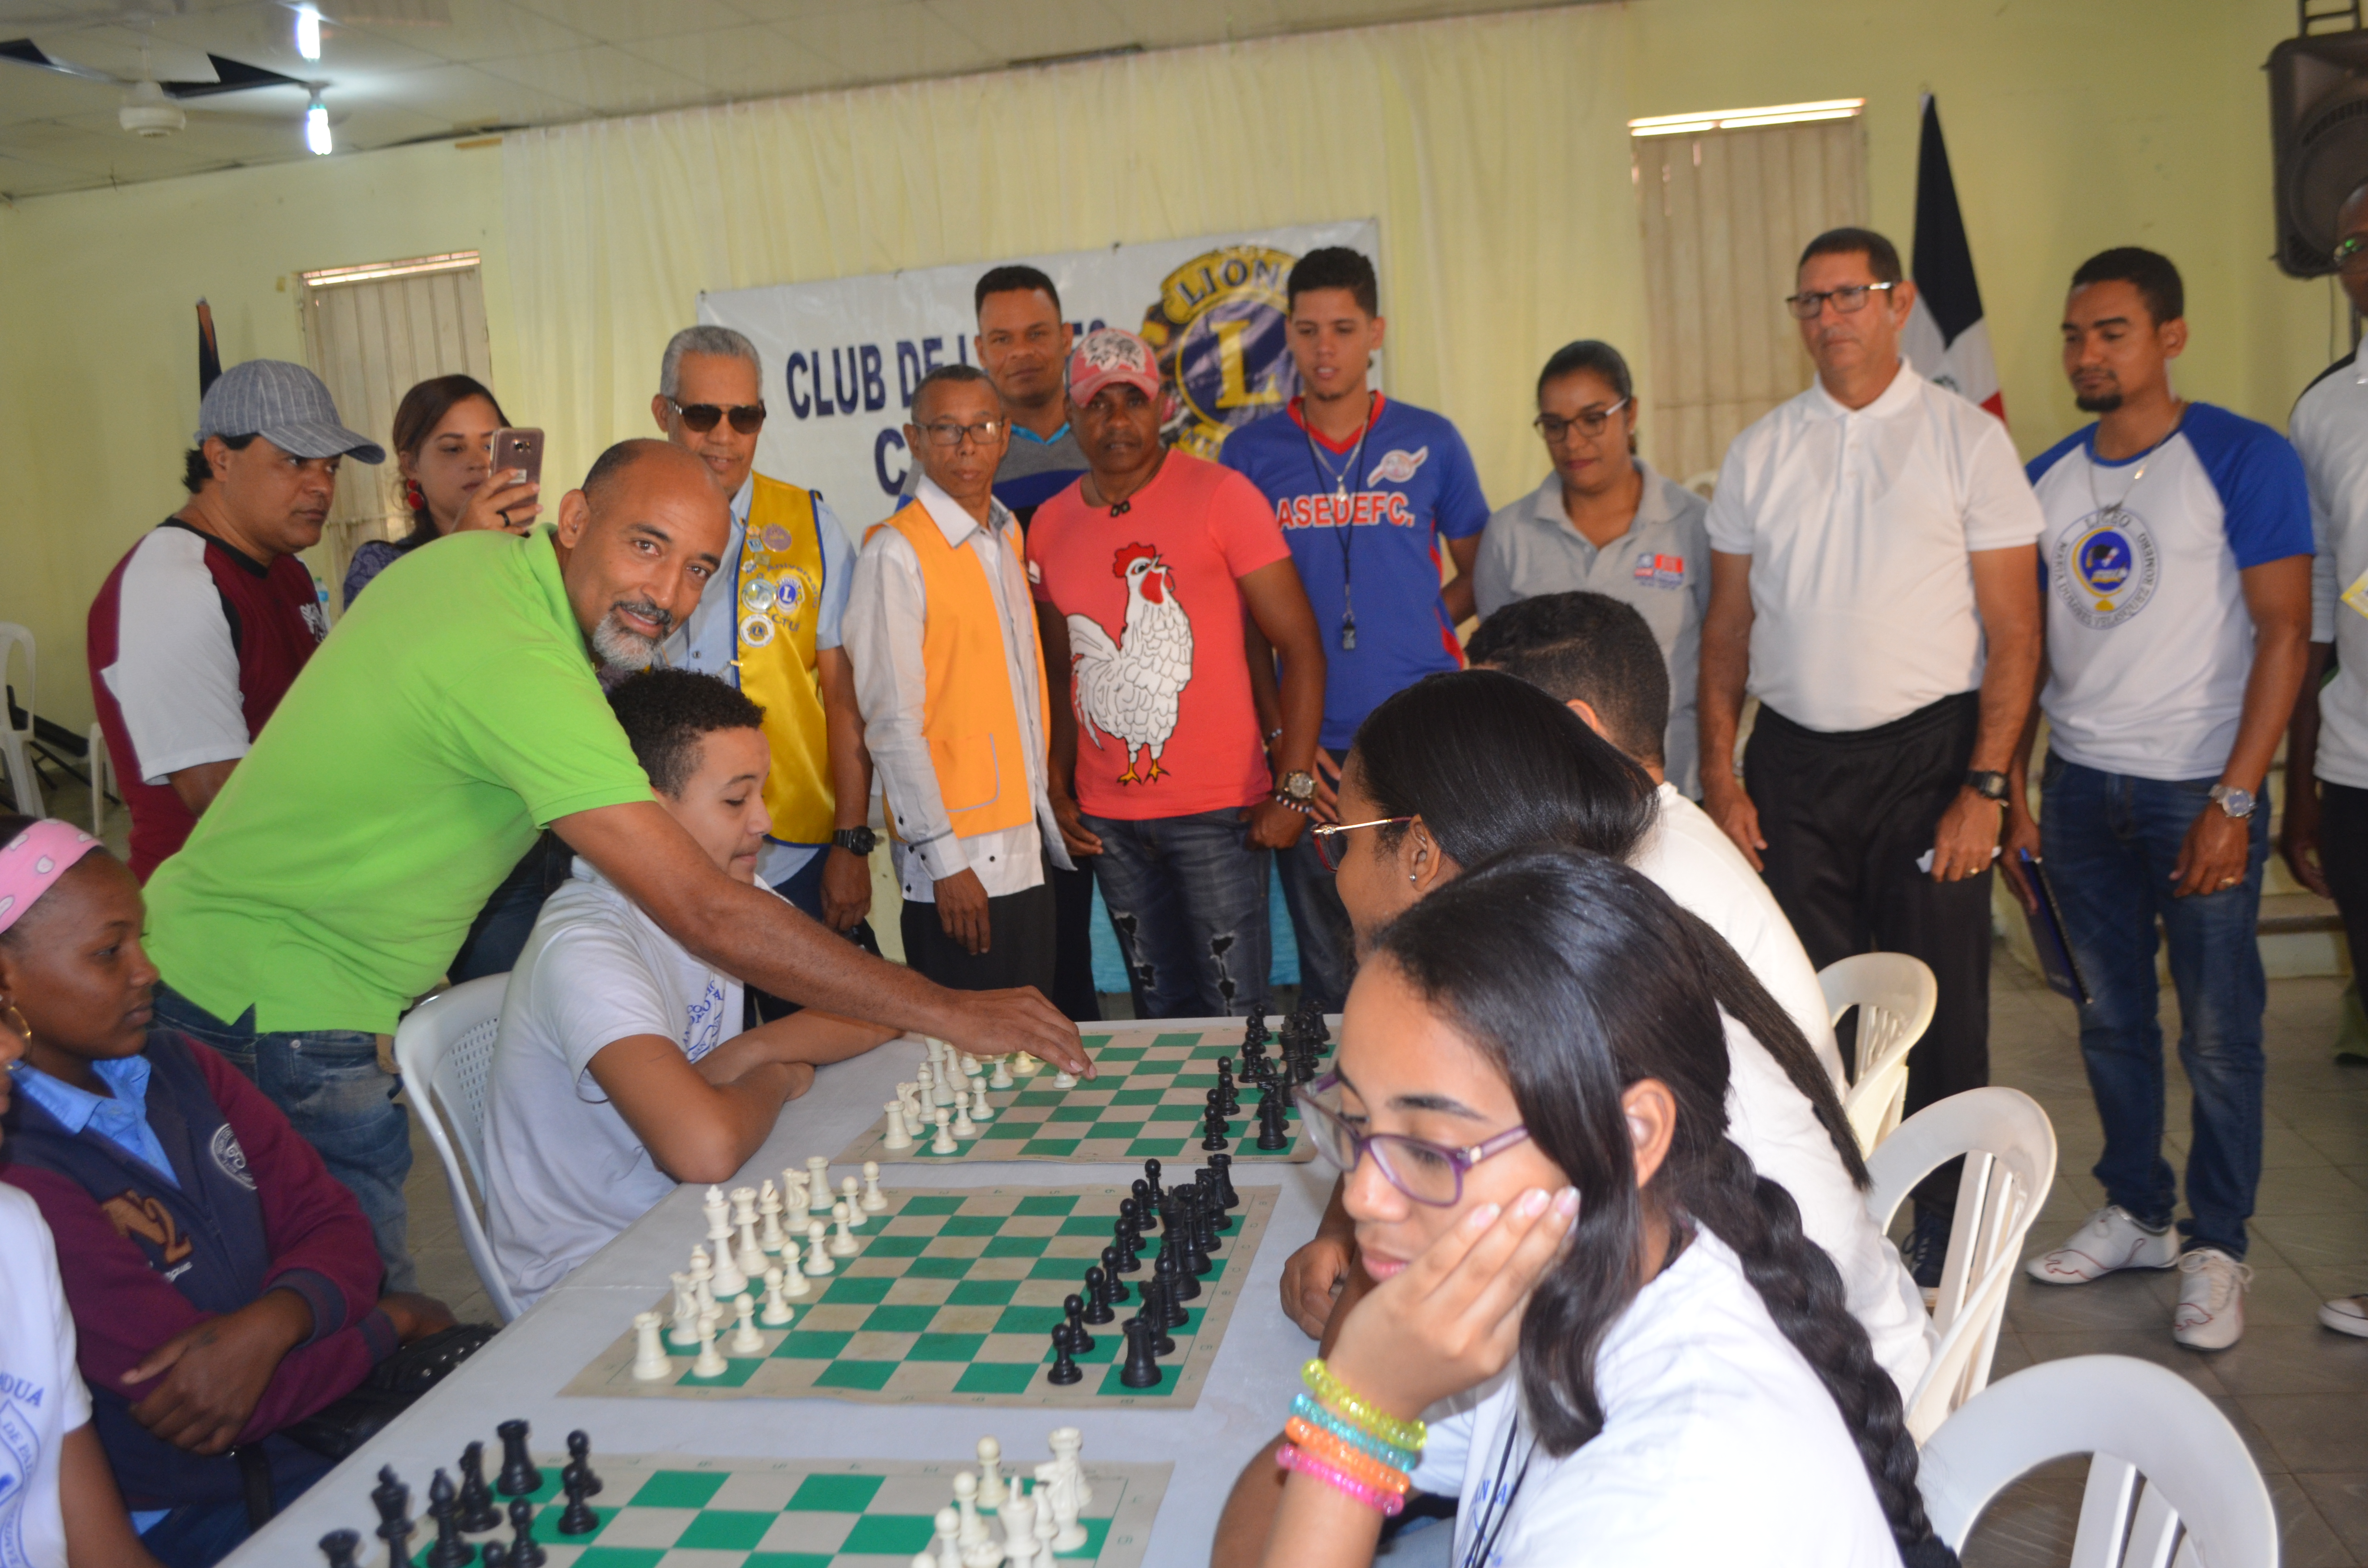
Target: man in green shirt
452 715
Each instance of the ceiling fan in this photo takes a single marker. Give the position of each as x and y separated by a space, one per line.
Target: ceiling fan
115 46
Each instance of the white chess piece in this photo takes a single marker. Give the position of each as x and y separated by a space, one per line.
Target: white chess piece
727 1281
745 1340
818 1182
948 1528
842 1245
973 1530
979 1109
795 1199
1019 1512
1058 1496
925 1560
709 1363
991 1491
719 1223
1067 1443
926 1089
963 1126
769 1204
874 1201
818 1261
702 1279
943 1143
972 1067
941 1082
847 1189
650 1363
751 1255
794 1278
684 1332
1048 1524
898 1136
1064 1079
777 1310
1002 1078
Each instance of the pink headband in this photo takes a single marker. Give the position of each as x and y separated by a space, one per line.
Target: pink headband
36 858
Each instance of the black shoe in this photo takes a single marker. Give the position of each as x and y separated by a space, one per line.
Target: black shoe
1927 1248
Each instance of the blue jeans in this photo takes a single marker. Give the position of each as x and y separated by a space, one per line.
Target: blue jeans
1328 946
327 1083
1186 896
2110 842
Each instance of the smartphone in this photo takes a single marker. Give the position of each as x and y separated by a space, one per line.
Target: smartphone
519 449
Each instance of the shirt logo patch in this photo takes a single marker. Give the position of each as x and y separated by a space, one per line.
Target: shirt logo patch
2106 568
317 619
229 1157
138 1218
1397 467
1661 571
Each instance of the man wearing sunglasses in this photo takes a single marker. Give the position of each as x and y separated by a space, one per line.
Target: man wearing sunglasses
1874 583
771 625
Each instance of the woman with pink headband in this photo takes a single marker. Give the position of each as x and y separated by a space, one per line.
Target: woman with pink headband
222 1285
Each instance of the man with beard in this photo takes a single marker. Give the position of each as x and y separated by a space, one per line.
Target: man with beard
2177 560
454 715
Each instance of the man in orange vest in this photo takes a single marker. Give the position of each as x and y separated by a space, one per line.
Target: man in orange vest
770 624
951 677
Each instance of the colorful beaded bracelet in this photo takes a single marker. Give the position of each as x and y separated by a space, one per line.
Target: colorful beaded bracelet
1408 1435
1388 1453
1389 1503
1352 1462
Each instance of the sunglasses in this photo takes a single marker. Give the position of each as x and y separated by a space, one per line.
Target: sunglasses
1429 1173
701 418
1327 837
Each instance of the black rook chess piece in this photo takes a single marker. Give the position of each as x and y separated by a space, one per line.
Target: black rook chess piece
577 1518
477 1510
1223 1165
1141 1370
1064 1371
1274 1130
1098 1305
518 1475
340 1546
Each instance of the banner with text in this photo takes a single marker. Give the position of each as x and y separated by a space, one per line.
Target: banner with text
842 357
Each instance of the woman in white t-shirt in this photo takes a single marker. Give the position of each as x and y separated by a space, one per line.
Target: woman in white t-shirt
1630 1353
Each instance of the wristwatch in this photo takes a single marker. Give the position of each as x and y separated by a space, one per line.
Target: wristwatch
857 841
2238 803
1988 785
1296 787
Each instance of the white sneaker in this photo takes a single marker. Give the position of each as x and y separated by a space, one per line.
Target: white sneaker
2211 1312
2346 1315
2111 1239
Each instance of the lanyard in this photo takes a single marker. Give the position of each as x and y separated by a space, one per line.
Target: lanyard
1499 1510
1348 525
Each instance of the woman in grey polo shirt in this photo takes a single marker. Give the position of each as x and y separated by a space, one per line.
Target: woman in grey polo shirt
1605 522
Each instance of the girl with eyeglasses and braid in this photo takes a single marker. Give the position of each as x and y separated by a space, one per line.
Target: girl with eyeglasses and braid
1623 1346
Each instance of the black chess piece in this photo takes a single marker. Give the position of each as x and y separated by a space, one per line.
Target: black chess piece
478 1513
1273 1129
448 1549
397 1533
1115 1286
496 1555
1177 1283
1080 1341
1213 1203
1223 1165
1213 1124
1231 1088
1254 1032
1098 1305
1158 1194
1129 1243
1146 1217
518 1475
577 1518
579 1454
1064 1371
1153 1317
525 1550
1190 1259
340 1547
1206 1218
1141 1370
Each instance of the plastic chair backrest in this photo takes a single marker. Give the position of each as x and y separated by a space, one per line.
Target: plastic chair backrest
2010 1151
16 759
1896 995
2167 1471
444 1049
101 764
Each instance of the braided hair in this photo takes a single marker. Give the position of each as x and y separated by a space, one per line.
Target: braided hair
1578 977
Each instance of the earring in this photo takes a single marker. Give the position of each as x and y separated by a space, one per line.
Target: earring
411 496
19 1027
1414 878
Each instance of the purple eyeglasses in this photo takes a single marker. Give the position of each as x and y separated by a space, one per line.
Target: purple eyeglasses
1427 1173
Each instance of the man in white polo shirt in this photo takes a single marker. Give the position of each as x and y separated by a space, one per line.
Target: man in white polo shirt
2178 566
1873 582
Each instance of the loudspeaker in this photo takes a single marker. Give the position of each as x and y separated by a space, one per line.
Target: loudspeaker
2318 139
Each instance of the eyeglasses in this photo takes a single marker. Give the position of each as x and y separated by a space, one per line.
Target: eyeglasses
946 433
701 418
1589 423
1327 835
1848 300
2351 254
1427 1173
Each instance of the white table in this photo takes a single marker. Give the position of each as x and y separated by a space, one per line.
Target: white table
520 1372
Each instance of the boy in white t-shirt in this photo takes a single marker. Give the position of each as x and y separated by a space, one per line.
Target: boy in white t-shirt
625 1063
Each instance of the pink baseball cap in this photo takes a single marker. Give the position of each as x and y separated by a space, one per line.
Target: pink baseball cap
1112 353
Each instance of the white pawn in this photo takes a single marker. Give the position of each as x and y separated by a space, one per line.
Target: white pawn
1058 1498
948 1528
1019 1513
874 1201
842 1245
793 1279
990 1473
709 1363
899 1136
769 1204
818 1261
777 1310
973 1530
1002 1078
745 1340
847 1190
979 1109
1067 1443
702 1280
963 1126
684 1332
943 1143
650 1363
1064 1079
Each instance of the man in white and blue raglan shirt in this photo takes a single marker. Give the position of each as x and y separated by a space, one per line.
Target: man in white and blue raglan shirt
2176 564
1364 488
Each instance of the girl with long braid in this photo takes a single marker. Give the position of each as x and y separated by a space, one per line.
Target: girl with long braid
1629 1352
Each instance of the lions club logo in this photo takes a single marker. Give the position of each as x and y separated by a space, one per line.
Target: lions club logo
2106 569
1223 343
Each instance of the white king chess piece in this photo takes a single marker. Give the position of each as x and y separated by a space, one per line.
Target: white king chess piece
1019 1513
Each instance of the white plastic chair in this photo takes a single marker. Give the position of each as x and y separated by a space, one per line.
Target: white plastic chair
15 745
1896 996
2159 1444
2010 1153
444 1049
101 765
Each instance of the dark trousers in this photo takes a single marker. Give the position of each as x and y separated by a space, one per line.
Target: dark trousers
2343 854
1319 924
499 934
1846 816
1073 943
1018 944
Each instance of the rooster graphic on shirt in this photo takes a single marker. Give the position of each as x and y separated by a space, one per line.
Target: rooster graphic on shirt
1129 688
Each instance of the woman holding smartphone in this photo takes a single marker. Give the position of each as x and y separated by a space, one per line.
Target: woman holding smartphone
443 443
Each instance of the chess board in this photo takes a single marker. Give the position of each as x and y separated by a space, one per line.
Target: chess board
675 1511
952 1301
1144 1103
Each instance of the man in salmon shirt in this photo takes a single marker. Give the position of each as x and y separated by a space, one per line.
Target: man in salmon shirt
1142 570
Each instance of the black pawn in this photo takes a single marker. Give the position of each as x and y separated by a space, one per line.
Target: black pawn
1097 1303
1151 1179
1113 1266
1153 1317
1080 1341
477 1510
579 1454
1205 1212
577 1518
1142 1367
1190 1259
518 1475
1064 1371
1146 1216
1273 1129
1231 1090
525 1550
1130 1247
1177 1285
447 1550
1223 1165
496 1555
340 1547
1213 1124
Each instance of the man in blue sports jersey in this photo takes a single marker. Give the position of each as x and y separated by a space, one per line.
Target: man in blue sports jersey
1364 488
2176 569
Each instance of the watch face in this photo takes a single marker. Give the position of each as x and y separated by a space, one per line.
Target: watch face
1299 785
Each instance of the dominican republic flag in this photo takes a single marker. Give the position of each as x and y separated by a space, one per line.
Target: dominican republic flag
1945 339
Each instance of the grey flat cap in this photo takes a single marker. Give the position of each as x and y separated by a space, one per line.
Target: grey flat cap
287 405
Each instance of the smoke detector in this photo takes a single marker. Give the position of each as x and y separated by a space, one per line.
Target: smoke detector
147 113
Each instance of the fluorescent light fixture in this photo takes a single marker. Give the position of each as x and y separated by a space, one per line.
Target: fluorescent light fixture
370 272
1745 118
316 127
307 32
